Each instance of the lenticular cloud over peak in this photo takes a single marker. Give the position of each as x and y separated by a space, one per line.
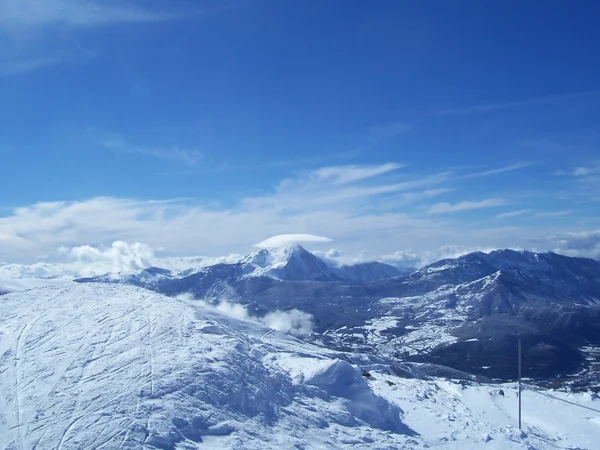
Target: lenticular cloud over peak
283 240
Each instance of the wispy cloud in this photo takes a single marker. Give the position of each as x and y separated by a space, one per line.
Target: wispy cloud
343 204
389 130
347 174
8 68
582 182
271 164
580 243
520 212
480 109
584 171
352 188
361 207
499 170
444 208
83 13
189 157
33 24
553 214
581 171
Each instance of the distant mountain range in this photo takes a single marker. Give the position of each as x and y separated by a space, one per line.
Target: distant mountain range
465 313
293 263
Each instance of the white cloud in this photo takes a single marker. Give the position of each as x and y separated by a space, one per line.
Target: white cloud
189 157
342 258
346 174
551 214
234 310
403 258
8 68
313 192
283 240
583 171
181 227
389 130
519 212
410 258
120 256
332 253
582 183
82 13
444 208
295 322
179 263
499 170
428 193
83 261
480 109
368 216
36 29
88 261
580 243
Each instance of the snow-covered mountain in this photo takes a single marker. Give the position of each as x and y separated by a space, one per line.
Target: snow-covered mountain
469 312
466 313
151 277
115 366
287 263
292 263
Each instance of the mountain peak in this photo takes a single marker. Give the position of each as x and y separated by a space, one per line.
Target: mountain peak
292 251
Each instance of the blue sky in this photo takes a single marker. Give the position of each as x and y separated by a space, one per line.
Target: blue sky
391 127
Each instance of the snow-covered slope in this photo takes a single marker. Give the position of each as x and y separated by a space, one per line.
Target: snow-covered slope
22 284
114 366
110 366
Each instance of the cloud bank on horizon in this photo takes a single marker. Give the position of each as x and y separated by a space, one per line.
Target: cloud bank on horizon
369 210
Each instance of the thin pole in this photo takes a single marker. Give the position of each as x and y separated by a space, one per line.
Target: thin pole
519 384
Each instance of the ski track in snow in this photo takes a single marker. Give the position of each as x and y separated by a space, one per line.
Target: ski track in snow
118 367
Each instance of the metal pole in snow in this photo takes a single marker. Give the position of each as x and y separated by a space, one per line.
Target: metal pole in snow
519 384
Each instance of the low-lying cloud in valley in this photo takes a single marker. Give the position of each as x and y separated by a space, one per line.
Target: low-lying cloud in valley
295 322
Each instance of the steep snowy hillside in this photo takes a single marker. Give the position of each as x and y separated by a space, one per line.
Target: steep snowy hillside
114 366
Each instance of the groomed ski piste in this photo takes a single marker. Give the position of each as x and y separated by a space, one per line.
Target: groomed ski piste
96 366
